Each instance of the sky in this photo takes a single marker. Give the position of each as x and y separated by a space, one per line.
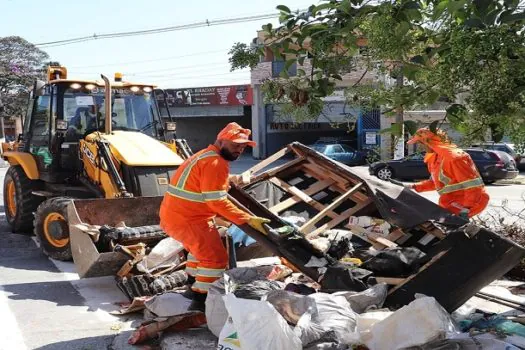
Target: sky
186 58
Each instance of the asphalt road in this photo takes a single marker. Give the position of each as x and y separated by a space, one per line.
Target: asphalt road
43 304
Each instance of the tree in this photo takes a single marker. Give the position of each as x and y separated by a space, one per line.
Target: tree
468 52
20 64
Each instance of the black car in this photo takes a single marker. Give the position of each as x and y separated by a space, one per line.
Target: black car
507 148
492 166
343 153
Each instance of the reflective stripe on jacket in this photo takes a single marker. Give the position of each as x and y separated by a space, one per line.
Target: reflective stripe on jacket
456 178
198 191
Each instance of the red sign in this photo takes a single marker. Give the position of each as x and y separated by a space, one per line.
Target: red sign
235 95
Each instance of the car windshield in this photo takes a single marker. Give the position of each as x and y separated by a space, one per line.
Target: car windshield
347 149
131 110
415 156
319 148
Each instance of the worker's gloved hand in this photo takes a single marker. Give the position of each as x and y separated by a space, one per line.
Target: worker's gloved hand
464 214
399 183
257 223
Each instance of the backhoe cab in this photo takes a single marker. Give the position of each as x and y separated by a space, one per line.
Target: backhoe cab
84 139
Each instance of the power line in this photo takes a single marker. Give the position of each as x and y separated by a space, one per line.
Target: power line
176 76
206 23
174 68
152 60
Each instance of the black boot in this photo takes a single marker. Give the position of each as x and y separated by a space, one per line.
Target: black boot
188 293
198 302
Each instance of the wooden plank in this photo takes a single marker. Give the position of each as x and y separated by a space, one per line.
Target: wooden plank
341 184
310 224
424 267
302 196
376 238
390 280
395 235
263 164
336 221
324 174
310 191
274 171
433 230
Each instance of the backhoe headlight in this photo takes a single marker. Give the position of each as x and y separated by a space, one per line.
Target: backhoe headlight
134 88
76 86
171 126
147 89
61 124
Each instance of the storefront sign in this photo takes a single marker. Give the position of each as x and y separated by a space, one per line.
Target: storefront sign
371 138
236 95
295 126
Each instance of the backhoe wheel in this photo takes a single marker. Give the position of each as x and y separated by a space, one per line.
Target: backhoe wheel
52 229
19 201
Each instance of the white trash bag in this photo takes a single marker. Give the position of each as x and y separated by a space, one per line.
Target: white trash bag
258 326
164 254
228 338
422 321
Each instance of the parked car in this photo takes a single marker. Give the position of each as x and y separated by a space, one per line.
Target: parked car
341 153
345 153
507 148
492 166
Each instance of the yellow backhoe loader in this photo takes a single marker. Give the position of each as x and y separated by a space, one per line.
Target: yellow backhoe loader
84 140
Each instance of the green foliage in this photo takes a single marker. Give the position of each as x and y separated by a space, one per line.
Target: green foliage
468 52
20 64
242 56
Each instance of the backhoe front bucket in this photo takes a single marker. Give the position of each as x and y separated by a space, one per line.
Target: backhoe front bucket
82 213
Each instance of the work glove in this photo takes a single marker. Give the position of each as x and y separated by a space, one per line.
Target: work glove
399 183
464 214
257 223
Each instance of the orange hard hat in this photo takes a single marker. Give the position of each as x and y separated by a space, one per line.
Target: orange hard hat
235 133
426 136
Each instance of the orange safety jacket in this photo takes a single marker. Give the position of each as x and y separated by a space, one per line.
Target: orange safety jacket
198 192
456 178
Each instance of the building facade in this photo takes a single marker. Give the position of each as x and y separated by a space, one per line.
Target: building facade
200 113
338 120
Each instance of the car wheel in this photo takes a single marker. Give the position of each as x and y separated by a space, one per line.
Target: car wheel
384 173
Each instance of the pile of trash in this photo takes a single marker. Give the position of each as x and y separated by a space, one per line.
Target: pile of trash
264 304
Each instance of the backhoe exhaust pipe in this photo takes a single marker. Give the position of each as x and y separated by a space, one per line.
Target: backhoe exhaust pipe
107 105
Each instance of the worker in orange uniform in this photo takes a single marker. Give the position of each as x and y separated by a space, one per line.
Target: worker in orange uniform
453 174
196 194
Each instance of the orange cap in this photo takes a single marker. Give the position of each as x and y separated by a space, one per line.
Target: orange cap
235 133
424 135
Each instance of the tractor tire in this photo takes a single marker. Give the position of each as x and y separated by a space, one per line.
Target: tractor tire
19 201
52 230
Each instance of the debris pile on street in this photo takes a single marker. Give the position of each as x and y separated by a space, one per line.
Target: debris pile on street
347 261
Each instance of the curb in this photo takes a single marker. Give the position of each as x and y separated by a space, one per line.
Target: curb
510 182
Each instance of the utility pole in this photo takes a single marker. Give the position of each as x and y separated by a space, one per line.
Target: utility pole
399 147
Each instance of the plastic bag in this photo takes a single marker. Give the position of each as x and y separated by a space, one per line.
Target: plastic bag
396 262
334 314
368 299
420 322
216 312
290 305
259 326
164 254
341 276
371 224
168 304
240 237
256 289
228 338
